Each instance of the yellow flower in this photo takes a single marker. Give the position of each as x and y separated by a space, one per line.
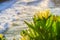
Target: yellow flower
39 14
1 35
23 38
44 14
26 37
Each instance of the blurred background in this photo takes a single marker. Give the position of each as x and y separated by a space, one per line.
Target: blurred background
14 12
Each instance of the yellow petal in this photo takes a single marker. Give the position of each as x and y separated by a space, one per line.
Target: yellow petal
46 14
23 38
1 35
40 15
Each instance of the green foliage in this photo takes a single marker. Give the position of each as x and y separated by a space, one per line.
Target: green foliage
46 29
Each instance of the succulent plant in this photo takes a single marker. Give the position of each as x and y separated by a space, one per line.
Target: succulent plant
45 26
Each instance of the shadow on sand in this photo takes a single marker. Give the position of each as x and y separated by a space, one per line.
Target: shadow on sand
6 4
34 2
1 1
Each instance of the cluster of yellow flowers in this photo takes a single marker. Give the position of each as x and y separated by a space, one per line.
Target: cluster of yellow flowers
43 14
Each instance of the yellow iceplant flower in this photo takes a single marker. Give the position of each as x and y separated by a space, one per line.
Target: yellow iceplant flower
44 14
26 37
39 14
23 38
1 35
